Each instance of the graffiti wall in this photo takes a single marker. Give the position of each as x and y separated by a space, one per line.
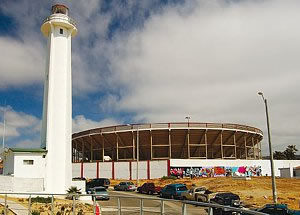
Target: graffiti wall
217 171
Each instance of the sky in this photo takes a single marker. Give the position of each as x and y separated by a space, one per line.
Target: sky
144 61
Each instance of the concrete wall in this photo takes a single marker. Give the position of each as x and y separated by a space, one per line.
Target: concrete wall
14 184
158 169
8 164
76 170
37 170
265 164
121 170
89 170
80 185
105 170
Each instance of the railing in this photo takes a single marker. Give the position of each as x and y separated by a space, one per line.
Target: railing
76 206
157 126
62 17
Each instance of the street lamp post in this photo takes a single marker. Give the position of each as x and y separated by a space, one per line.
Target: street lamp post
137 152
270 149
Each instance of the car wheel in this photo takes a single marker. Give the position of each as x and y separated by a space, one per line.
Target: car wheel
161 195
172 196
184 198
150 192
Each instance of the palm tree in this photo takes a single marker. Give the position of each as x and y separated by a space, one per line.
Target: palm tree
73 190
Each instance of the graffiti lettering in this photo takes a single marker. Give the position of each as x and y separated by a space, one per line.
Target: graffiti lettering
217 171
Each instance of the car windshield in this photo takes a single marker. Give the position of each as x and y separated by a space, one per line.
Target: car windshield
130 183
100 190
181 188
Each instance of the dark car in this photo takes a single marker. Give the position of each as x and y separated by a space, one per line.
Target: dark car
173 191
149 188
100 193
125 186
277 209
226 199
98 182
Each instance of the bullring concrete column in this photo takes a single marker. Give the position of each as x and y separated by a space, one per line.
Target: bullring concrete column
56 132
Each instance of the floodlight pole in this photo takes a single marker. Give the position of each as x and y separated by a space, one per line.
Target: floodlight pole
270 149
188 119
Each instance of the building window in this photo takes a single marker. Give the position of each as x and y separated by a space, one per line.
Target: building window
27 162
61 31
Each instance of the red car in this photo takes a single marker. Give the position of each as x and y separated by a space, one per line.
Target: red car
149 188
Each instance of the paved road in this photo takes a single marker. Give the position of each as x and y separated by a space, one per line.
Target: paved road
132 205
15 207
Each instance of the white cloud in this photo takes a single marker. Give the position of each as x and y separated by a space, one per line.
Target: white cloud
80 123
208 60
29 143
22 63
18 123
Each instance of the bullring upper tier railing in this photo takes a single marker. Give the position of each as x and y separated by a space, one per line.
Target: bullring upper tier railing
176 125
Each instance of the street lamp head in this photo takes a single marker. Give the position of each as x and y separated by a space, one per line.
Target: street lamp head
187 117
262 95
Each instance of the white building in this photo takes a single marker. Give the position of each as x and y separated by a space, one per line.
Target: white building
23 170
290 172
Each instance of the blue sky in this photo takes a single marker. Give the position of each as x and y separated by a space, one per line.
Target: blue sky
158 61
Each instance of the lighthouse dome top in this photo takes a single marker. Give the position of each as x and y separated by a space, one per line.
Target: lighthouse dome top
59 17
59 8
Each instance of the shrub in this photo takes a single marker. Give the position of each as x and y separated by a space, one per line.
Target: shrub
41 199
169 177
35 213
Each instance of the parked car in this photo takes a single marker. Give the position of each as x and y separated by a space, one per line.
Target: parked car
100 192
149 188
98 182
125 186
200 194
173 191
227 199
277 209
206 196
192 194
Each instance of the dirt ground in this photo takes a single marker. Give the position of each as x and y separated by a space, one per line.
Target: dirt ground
254 193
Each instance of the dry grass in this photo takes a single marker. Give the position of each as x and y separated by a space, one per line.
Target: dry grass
60 205
8 211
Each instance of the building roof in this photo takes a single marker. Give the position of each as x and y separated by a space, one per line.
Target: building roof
38 150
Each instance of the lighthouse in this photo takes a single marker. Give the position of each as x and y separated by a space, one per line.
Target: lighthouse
56 132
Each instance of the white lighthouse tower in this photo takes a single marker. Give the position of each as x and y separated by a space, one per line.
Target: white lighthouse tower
56 132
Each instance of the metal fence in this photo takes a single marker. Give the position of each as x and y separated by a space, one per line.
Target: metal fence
79 204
